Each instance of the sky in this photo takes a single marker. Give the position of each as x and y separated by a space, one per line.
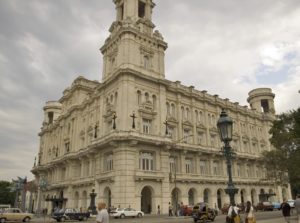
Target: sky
226 47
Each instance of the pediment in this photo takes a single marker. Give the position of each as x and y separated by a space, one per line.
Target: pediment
200 126
187 123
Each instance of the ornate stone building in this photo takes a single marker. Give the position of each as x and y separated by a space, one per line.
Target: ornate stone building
111 135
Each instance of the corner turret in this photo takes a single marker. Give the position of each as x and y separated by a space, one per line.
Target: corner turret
52 111
262 100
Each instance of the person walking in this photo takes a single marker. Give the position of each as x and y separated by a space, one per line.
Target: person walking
158 209
249 215
286 210
297 207
170 209
102 216
233 215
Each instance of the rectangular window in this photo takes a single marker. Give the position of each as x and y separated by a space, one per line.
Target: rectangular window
172 165
142 7
146 126
186 135
216 168
188 166
171 132
50 117
122 12
200 138
146 161
109 163
238 170
67 147
203 167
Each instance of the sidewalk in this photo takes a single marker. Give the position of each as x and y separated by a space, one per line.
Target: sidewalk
293 219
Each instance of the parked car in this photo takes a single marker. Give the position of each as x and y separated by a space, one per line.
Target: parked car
225 208
187 210
201 212
15 214
276 205
264 206
126 212
291 203
70 214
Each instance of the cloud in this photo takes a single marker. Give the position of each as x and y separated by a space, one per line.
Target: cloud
226 47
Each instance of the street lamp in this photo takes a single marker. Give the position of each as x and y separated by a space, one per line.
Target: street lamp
92 207
225 128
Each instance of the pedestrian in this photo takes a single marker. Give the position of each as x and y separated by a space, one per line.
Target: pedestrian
286 210
181 207
170 209
297 207
158 209
102 216
249 215
233 215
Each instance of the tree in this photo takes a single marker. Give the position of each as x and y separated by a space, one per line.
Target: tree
6 196
286 156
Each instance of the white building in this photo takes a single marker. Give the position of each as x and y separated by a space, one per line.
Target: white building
80 149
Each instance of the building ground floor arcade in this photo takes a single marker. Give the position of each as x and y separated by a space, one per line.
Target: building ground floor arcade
147 195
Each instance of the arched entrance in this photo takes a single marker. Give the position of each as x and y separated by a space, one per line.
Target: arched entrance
107 196
146 200
219 198
191 195
261 196
253 197
243 195
207 196
176 198
271 194
76 200
84 200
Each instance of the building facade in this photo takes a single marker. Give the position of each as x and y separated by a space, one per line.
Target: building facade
111 135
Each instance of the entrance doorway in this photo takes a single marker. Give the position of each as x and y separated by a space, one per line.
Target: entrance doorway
146 200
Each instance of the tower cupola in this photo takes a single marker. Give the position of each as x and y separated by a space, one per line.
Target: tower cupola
133 44
262 100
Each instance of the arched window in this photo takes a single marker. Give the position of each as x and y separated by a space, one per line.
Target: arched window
168 109
147 96
146 62
116 98
154 102
173 110
139 97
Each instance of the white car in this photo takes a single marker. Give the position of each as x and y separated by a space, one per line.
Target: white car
14 214
126 212
291 203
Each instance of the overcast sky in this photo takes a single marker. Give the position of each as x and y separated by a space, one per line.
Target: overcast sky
226 47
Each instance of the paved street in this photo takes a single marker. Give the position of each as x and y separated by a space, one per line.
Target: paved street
262 217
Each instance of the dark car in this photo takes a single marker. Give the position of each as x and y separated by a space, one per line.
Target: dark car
70 214
202 213
264 206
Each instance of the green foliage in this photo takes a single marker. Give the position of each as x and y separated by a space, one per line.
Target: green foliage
276 164
286 156
6 196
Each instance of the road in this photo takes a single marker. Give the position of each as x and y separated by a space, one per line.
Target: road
262 217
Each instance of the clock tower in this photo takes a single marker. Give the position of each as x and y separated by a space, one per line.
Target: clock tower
133 45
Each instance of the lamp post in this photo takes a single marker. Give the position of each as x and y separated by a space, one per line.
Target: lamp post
225 128
92 207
